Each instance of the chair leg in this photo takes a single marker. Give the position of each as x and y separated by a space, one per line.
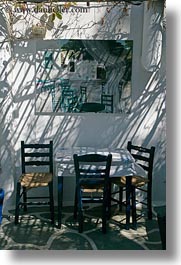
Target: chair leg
128 206
51 202
104 224
120 198
149 211
134 207
80 220
25 199
18 190
105 206
80 210
75 205
108 213
149 203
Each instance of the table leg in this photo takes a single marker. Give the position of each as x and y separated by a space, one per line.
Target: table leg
128 206
134 208
60 200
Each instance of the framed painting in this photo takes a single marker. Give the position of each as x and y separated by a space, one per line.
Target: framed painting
78 76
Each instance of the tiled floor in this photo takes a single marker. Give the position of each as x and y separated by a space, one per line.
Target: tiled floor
36 233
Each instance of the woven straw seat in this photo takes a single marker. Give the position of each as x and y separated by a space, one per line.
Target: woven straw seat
137 181
33 180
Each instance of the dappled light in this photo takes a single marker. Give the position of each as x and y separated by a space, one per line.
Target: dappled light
36 233
144 124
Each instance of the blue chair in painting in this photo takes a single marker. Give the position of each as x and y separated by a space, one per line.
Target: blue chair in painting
68 100
1 203
107 100
83 94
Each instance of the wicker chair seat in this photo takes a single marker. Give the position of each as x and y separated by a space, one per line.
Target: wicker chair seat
137 181
33 180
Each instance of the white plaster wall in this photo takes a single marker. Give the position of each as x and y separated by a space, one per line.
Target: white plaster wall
146 124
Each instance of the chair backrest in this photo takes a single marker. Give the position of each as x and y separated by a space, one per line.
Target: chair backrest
83 94
107 100
35 155
65 87
65 82
68 100
143 156
92 168
48 86
56 100
67 94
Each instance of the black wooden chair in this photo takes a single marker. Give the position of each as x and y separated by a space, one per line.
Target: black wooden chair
143 157
92 183
107 100
68 100
37 171
83 94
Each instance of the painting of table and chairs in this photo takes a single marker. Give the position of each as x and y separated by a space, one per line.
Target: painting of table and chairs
75 76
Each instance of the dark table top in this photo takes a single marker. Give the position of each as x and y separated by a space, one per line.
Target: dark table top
92 107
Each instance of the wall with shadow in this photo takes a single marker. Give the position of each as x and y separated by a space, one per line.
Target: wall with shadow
145 125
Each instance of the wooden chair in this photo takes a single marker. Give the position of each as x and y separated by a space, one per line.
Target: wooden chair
83 94
107 100
92 175
56 99
65 82
68 100
143 157
47 86
33 157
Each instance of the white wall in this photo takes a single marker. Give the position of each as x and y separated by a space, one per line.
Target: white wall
146 124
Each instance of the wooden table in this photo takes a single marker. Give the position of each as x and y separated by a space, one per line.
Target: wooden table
92 107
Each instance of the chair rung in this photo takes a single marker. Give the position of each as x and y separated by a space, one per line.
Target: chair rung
32 198
114 192
92 199
34 203
114 200
142 202
141 189
37 163
38 154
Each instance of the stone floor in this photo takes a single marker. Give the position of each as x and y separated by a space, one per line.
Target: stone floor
36 233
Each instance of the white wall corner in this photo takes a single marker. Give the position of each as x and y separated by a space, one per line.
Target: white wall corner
152 36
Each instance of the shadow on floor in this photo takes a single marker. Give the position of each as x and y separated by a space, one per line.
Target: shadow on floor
35 232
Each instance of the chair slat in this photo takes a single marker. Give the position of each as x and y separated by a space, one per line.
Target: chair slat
36 146
92 171
37 163
38 154
140 157
140 149
146 168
